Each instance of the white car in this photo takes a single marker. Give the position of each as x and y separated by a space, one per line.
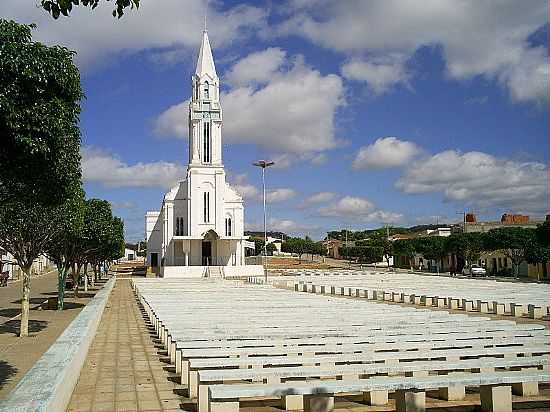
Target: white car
474 270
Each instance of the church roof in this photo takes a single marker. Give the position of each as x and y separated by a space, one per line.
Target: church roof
205 62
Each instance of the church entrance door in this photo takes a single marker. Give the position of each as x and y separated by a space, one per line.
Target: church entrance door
206 253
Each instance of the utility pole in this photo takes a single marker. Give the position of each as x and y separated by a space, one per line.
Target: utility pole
264 164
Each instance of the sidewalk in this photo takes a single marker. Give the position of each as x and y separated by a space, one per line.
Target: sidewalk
18 355
123 371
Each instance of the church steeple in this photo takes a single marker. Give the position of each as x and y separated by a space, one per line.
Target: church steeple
205 62
205 112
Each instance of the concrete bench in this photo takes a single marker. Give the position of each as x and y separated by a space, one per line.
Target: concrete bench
495 391
354 372
190 367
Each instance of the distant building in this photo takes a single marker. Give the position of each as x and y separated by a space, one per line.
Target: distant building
507 220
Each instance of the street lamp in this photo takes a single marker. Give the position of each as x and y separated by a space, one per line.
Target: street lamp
264 164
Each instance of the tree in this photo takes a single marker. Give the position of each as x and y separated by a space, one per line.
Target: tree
64 7
405 247
542 232
513 242
40 99
432 248
364 254
296 245
62 246
466 245
537 254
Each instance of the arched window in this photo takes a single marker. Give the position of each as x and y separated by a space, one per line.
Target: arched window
228 228
206 90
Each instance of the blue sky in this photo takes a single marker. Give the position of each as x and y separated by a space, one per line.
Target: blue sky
375 112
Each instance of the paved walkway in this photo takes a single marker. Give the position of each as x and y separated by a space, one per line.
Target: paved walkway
42 287
124 371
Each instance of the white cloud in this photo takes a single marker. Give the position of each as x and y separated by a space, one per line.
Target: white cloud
243 187
287 226
293 113
256 68
351 208
385 153
379 74
348 206
476 37
250 192
483 180
108 170
280 195
96 35
320 197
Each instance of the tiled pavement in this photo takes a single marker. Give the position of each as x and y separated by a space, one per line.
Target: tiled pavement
123 371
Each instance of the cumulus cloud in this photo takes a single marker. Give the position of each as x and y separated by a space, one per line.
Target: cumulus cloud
287 226
476 37
292 113
108 170
379 74
481 179
256 68
358 208
95 35
320 197
243 187
348 206
280 195
385 153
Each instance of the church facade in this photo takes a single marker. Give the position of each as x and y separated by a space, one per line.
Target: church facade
199 230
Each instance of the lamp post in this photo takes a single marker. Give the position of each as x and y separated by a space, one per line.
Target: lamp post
264 164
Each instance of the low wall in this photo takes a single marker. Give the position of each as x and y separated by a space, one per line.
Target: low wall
246 271
198 271
49 384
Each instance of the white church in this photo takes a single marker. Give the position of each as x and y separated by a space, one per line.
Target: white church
199 230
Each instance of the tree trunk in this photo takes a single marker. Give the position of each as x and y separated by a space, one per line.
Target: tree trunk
61 279
86 277
25 301
76 278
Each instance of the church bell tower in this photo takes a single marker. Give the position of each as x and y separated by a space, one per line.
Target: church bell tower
205 113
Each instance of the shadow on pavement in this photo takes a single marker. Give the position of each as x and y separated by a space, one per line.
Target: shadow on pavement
9 312
6 372
13 326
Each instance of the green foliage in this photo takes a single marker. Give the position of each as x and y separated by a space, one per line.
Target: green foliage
365 234
40 152
40 99
62 246
405 247
542 233
64 7
296 245
467 245
365 254
513 242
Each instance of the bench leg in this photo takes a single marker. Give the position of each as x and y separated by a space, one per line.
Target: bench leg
203 398
232 406
293 402
318 403
377 398
193 384
525 389
496 398
408 401
453 393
